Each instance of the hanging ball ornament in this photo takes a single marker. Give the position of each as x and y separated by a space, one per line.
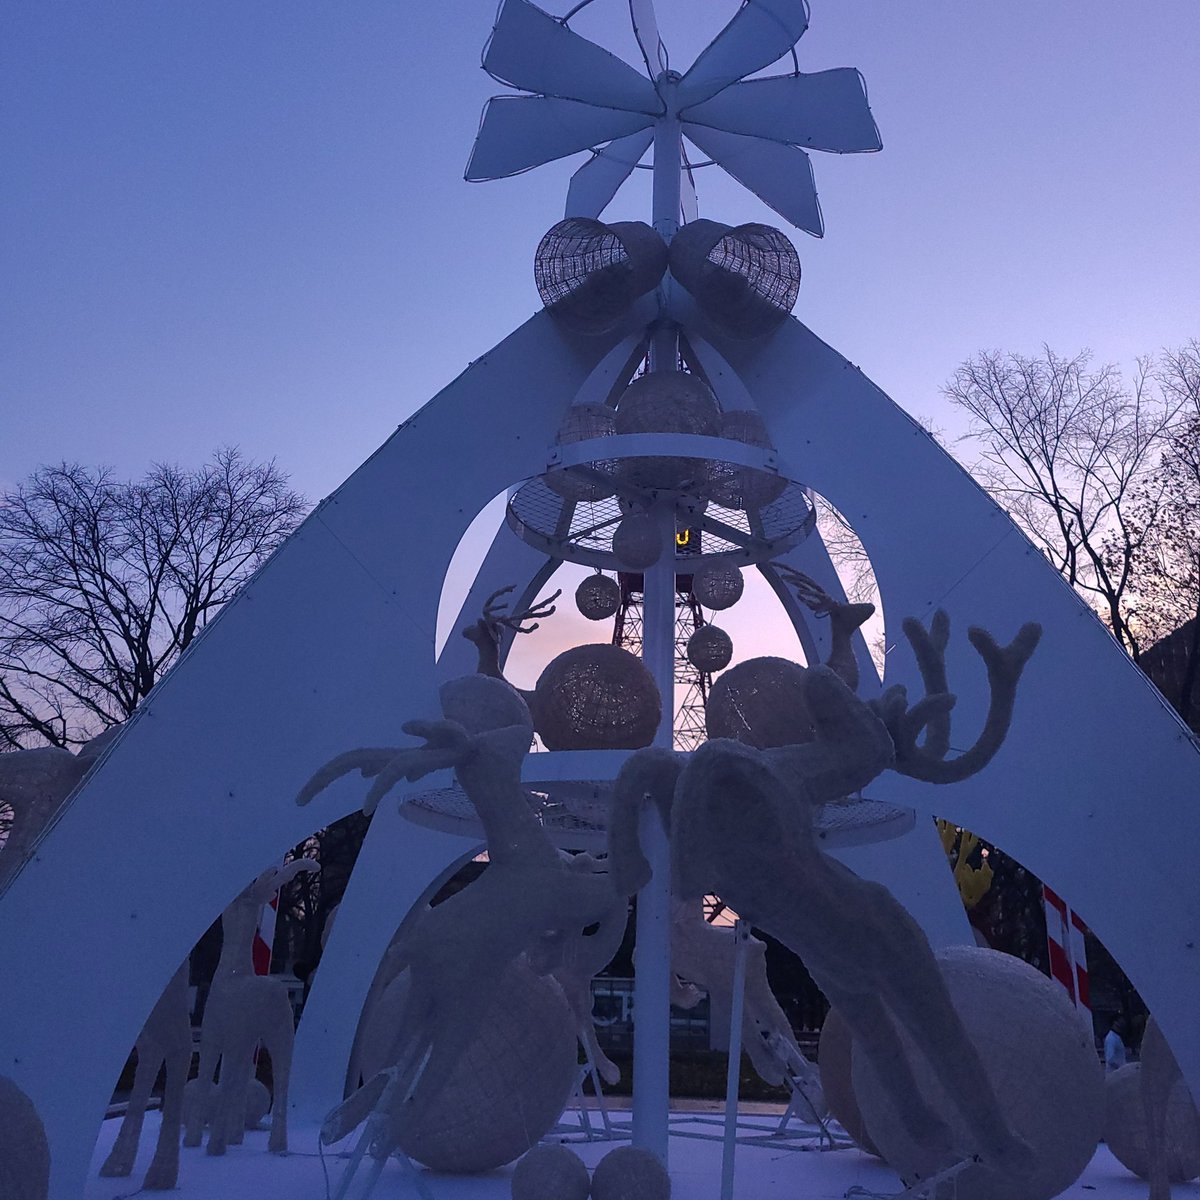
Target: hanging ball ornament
718 586
582 423
709 649
598 597
629 1173
667 402
636 543
744 487
550 1173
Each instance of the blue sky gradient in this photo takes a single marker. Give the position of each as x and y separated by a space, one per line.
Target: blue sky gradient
246 223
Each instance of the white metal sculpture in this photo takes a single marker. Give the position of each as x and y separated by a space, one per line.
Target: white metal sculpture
742 825
165 1042
529 902
244 1010
372 583
758 130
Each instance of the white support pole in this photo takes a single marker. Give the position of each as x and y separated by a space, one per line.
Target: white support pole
668 163
652 950
741 937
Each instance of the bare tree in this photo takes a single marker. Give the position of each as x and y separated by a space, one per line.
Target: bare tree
1066 449
103 582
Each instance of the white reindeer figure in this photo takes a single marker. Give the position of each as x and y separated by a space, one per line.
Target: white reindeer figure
243 1011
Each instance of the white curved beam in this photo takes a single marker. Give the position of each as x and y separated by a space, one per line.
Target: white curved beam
1095 757
330 646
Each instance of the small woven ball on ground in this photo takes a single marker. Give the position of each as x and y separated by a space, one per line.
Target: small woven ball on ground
718 585
598 597
550 1173
629 1173
1125 1127
636 542
1040 1060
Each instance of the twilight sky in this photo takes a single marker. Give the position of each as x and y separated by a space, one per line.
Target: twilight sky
243 223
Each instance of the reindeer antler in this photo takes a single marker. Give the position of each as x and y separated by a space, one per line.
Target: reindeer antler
844 619
447 743
809 592
931 714
488 630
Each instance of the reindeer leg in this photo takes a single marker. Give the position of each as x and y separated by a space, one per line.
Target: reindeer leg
210 1056
120 1160
279 1040
163 1172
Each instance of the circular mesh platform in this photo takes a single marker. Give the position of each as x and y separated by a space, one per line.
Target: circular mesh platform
582 531
575 815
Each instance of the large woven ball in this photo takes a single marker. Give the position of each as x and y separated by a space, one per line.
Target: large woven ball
709 649
1042 1065
718 585
596 697
629 1173
636 542
582 423
760 702
24 1151
834 1060
598 597
508 1089
667 402
550 1173
741 487
1125 1126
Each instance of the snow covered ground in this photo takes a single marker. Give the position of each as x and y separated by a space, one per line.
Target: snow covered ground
764 1172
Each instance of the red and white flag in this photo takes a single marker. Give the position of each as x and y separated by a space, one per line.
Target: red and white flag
1068 956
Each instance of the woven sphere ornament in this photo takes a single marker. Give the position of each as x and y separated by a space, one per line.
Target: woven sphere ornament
24 1150
1040 1061
598 597
582 423
744 487
709 649
629 1173
508 1088
636 542
833 1059
596 697
551 1173
760 702
718 586
667 402
1125 1126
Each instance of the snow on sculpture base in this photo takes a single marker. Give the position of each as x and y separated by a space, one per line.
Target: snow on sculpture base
768 1173
1039 1059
